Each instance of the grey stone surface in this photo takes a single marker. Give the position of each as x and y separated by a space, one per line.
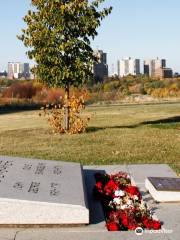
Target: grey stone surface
75 235
41 192
168 213
8 234
141 171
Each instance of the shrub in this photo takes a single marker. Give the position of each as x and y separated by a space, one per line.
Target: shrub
110 86
20 90
53 95
55 114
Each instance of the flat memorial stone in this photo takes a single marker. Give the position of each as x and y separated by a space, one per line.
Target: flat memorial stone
164 189
42 192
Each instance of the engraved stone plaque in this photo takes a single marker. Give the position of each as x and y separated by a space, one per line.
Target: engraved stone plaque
42 192
166 183
164 189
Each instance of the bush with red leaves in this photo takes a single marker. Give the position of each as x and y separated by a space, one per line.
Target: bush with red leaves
21 90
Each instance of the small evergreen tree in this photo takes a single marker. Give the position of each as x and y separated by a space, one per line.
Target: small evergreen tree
58 37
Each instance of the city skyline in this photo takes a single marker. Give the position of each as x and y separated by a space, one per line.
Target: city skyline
125 66
139 29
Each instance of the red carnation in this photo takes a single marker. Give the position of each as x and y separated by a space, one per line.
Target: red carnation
111 184
113 216
99 185
132 226
133 190
151 224
113 226
156 225
110 187
125 221
147 223
124 218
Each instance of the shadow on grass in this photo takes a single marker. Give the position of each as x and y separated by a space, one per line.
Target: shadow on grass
175 119
94 129
169 122
14 108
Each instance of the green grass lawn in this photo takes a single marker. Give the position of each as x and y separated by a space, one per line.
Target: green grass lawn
116 135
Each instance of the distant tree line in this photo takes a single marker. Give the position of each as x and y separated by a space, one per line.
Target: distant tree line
111 89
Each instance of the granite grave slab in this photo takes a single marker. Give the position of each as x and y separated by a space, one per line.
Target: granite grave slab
164 189
42 192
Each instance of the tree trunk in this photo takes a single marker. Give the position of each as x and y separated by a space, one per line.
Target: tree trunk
67 122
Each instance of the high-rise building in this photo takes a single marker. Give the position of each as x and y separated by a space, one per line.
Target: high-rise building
18 70
100 68
151 65
118 68
26 70
128 66
157 64
162 73
14 69
148 67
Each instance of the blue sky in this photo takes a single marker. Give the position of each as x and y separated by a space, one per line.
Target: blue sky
137 28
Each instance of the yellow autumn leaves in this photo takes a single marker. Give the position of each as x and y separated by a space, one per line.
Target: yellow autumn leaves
55 114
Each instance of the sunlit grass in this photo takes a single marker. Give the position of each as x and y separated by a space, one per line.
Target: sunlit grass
116 135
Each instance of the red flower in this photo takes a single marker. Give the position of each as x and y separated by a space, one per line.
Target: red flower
151 224
113 226
133 190
110 187
146 222
114 216
111 184
156 224
125 221
122 219
132 226
99 185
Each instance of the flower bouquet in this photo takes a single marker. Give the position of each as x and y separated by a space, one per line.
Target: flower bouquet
122 203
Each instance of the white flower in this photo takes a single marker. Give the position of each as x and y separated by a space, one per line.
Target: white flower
124 206
118 207
142 206
111 204
119 193
117 201
136 197
129 202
